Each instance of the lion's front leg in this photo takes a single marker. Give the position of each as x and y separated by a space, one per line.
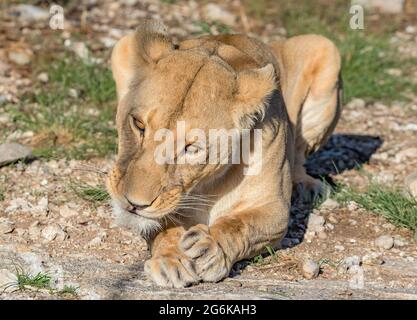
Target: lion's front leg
169 266
214 249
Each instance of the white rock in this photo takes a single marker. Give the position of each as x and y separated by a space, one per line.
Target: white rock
8 281
6 226
81 50
352 261
356 104
330 204
43 77
352 206
394 72
411 127
411 29
73 93
339 247
310 269
53 232
215 12
322 235
383 177
4 118
400 241
34 232
109 42
11 152
41 208
385 242
405 154
315 223
34 263
66 212
20 57
384 6
373 258
31 13
18 204
411 184
99 239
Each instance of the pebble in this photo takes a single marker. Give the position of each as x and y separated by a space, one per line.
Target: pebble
400 241
322 235
315 223
27 12
66 212
98 240
384 242
43 77
310 269
411 184
6 226
34 263
339 247
73 93
356 104
20 57
373 258
352 206
333 219
330 204
12 152
7 278
34 231
384 6
81 50
214 12
406 154
353 222
352 261
53 232
329 226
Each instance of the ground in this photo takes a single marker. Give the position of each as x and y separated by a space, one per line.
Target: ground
57 96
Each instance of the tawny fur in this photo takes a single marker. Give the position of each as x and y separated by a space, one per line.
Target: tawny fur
202 219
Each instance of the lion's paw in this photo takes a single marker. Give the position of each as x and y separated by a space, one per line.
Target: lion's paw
310 189
171 270
208 257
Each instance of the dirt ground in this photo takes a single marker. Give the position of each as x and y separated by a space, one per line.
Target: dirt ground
52 230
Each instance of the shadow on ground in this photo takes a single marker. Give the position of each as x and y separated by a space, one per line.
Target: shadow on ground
342 152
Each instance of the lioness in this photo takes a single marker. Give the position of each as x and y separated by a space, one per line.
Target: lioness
199 219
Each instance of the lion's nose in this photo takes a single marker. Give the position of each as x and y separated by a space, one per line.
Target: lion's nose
136 206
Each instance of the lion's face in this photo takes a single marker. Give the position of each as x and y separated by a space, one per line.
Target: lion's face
169 97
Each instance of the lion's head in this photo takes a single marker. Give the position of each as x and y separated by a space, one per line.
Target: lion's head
158 86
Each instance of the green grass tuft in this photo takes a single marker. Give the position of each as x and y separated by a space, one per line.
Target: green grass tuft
68 290
66 126
24 280
398 208
89 193
206 27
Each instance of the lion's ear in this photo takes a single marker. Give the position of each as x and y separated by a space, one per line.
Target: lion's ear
254 88
137 52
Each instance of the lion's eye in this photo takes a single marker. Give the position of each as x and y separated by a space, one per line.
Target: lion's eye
138 125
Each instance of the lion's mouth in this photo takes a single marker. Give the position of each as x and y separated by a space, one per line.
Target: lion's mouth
149 213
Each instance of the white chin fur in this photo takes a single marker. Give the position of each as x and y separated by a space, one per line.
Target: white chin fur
135 223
